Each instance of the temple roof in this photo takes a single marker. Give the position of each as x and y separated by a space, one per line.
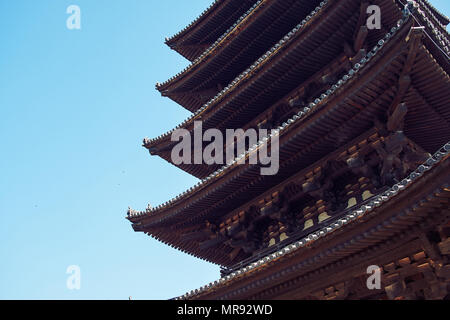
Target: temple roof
251 36
205 29
299 137
215 113
442 18
437 37
238 103
424 191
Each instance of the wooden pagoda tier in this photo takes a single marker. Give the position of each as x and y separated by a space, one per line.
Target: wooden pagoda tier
293 72
404 231
442 20
241 44
361 120
255 32
192 41
370 129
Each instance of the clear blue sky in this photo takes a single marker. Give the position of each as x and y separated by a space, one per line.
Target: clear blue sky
74 107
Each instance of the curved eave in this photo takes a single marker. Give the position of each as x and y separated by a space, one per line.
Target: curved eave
171 210
437 40
159 212
246 78
439 15
422 195
163 145
216 105
200 171
440 93
203 31
230 102
231 174
250 36
203 58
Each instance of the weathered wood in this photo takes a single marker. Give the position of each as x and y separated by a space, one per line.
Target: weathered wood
360 38
396 121
353 142
444 247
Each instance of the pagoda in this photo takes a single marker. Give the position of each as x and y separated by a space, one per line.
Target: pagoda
362 120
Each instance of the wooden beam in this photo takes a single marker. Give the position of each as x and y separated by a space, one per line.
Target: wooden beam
234 253
362 18
361 37
397 119
404 81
